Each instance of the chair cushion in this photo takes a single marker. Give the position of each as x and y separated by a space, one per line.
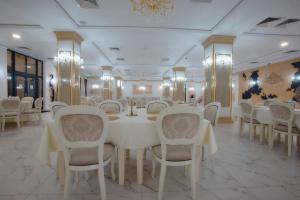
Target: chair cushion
284 128
247 120
174 152
89 156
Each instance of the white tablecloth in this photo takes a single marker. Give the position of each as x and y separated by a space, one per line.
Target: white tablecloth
126 132
263 114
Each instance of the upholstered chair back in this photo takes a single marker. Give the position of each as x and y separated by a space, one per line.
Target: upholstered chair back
179 125
110 106
124 103
38 103
269 101
82 126
10 105
282 112
156 106
56 106
211 112
247 108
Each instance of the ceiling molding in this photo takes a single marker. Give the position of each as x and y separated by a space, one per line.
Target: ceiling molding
269 34
101 52
21 26
200 30
235 7
66 13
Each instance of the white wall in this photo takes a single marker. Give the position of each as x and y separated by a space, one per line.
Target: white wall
49 68
156 90
3 71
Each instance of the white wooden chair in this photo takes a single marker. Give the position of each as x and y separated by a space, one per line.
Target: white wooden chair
55 106
83 130
110 106
211 113
10 109
292 102
178 129
37 110
124 103
156 106
267 102
248 118
282 116
88 101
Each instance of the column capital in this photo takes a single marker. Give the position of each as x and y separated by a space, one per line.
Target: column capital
107 68
68 35
219 39
179 69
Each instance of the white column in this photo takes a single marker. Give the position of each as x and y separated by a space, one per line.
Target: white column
3 71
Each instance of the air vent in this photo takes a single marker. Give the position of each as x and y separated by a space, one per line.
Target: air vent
88 3
114 48
120 59
268 20
286 22
165 59
291 51
25 48
51 59
254 62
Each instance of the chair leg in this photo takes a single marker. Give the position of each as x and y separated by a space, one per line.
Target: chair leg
251 132
3 123
112 168
290 139
202 153
162 181
153 167
241 126
102 182
67 184
262 134
18 121
193 179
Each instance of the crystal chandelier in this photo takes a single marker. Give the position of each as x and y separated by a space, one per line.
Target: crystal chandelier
152 7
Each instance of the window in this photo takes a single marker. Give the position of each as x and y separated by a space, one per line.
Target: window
24 75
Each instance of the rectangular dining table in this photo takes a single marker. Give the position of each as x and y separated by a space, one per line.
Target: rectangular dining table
127 133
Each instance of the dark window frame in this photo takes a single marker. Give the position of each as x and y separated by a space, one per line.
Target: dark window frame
26 75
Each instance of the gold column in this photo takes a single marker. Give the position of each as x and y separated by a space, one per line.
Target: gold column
179 80
108 83
119 87
68 66
218 53
166 87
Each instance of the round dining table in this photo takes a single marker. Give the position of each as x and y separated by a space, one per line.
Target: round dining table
126 133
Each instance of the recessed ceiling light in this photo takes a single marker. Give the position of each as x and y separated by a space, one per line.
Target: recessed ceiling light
81 67
16 36
284 44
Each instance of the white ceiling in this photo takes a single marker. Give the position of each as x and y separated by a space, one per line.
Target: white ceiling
144 42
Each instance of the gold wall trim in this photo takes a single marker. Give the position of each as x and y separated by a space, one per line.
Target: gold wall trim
220 39
68 35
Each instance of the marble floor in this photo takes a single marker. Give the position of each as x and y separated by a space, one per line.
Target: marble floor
240 170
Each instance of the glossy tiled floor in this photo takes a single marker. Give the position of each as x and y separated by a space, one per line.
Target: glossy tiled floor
240 170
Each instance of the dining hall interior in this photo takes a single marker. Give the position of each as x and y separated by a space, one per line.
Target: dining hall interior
149 99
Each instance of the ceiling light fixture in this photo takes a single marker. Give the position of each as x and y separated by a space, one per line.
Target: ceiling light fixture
152 7
284 44
81 67
16 36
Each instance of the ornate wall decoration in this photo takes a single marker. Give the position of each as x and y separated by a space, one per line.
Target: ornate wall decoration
265 96
273 79
295 86
254 88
